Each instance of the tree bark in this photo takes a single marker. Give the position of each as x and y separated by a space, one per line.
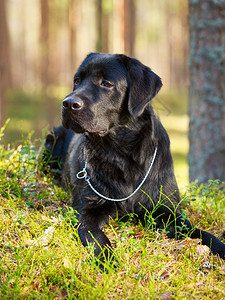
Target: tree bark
103 18
99 25
5 70
44 37
207 90
73 16
129 27
48 55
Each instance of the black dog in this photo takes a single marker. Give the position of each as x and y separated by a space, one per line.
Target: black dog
121 149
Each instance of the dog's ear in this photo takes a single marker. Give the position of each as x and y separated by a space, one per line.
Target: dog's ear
143 85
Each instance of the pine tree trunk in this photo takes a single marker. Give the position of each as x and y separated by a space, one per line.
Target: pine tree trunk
44 43
103 18
73 24
99 25
5 70
129 27
48 53
207 90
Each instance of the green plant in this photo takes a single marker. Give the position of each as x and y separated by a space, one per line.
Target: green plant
41 256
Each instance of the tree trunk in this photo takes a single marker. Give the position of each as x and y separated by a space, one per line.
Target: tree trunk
99 25
102 17
44 36
73 16
48 60
129 27
170 41
207 90
5 70
105 29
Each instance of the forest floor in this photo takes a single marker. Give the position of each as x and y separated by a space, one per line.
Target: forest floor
41 256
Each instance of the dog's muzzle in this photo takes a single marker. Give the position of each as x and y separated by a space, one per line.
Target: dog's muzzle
72 103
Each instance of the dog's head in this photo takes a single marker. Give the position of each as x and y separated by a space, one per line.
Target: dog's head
107 86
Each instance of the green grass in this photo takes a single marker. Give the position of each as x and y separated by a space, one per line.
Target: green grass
177 128
41 256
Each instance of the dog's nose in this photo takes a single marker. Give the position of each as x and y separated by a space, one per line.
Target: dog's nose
73 103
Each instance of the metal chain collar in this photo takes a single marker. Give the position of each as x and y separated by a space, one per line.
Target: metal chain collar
84 175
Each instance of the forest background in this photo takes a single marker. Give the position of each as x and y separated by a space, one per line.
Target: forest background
44 41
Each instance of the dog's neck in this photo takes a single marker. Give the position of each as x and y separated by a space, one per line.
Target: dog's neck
128 141
124 154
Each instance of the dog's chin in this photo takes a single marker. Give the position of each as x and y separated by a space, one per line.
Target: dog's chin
97 132
79 129
101 133
73 126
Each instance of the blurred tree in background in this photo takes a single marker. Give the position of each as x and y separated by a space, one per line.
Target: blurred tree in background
207 90
44 41
49 39
5 63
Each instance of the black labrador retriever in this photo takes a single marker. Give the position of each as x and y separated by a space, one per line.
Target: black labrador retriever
115 154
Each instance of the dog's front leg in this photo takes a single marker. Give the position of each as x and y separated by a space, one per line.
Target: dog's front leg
91 234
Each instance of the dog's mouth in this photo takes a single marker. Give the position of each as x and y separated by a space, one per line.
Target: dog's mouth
101 132
77 124
77 128
73 126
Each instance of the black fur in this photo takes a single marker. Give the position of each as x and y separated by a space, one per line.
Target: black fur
111 108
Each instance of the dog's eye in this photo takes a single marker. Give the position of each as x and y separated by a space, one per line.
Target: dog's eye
107 84
76 81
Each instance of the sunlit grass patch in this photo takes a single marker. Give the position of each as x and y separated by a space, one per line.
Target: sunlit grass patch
177 128
41 256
